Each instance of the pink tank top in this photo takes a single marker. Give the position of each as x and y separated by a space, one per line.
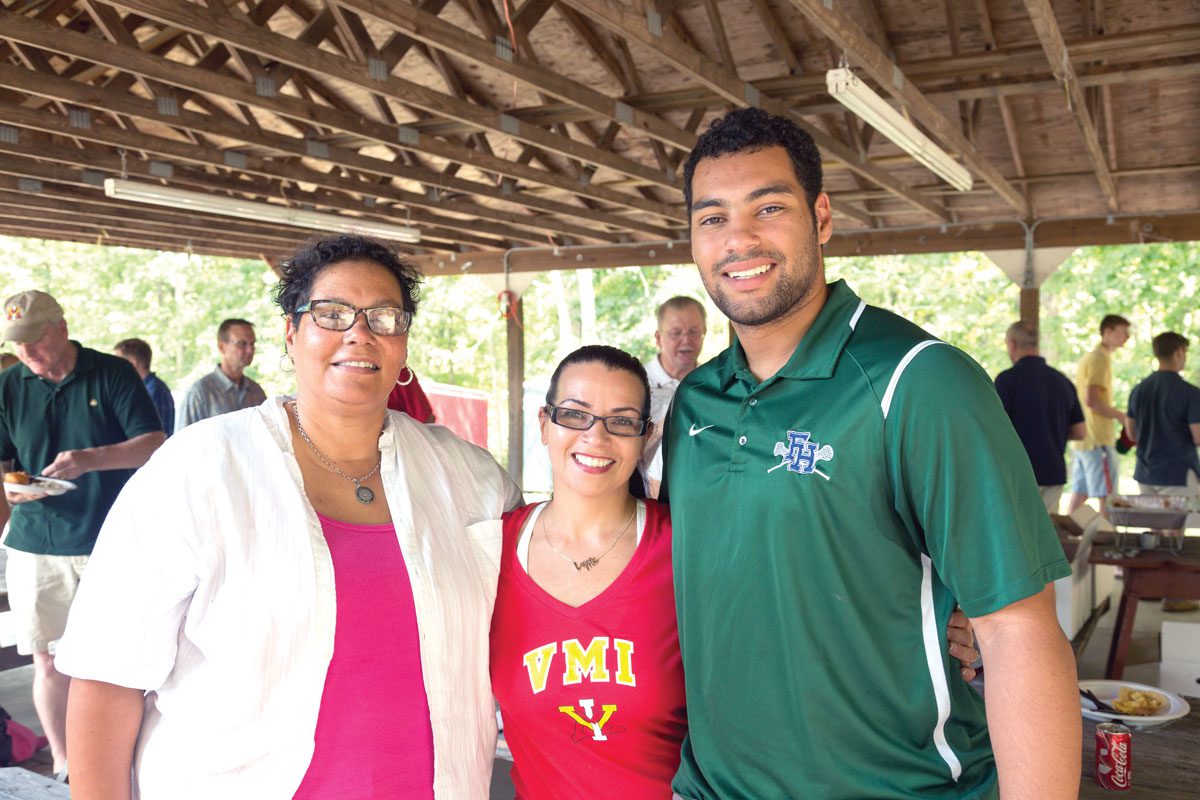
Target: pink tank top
373 736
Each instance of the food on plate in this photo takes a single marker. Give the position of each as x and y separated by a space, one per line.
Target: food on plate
1119 503
16 477
1139 702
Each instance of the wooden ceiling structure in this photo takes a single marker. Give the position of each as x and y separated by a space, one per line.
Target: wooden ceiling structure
534 134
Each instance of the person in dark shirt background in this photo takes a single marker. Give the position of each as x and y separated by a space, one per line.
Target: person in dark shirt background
1044 408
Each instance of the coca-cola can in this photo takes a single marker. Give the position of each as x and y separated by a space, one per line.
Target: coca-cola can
1114 756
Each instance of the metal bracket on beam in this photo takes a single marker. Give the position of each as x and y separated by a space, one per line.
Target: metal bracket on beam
234 159
161 169
80 118
168 106
507 188
753 95
316 149
897 77
29 185
9 134
510 124
408 136
377 68
92 178
654 22
504 49
623 112
431 194
369 202
264 86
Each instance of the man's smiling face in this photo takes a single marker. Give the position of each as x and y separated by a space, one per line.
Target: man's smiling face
755 238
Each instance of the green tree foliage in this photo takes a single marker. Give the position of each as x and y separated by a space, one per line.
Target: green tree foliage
175 302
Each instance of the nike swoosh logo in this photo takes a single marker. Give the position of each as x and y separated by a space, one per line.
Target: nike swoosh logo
693 430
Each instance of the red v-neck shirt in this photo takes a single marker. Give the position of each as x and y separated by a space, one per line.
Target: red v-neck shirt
592 697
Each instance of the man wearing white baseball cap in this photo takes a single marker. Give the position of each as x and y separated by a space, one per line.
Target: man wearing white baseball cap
74 414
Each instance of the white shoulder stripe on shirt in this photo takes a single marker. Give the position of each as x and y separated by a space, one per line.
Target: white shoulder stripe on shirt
862 305
937 672
886 403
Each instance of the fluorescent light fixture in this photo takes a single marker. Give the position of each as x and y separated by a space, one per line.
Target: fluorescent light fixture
855 95
251 210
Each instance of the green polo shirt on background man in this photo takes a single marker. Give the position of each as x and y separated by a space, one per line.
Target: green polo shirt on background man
102 402
826 522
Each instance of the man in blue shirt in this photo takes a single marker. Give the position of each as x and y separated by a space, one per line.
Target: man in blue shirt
1044 409
138 353
1164 418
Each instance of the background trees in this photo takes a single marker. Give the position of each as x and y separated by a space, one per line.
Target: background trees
175 302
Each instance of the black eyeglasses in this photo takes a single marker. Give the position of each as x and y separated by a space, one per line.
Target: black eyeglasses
334 316
578 420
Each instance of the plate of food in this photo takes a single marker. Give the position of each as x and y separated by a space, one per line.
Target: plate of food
1137 704
21 483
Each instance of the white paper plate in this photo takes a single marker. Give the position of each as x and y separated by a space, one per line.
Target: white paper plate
1110 690
46 486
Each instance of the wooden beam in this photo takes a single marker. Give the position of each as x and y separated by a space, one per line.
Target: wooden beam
515 347
436 32
1042 15
88 48
731 89
238 33
865 54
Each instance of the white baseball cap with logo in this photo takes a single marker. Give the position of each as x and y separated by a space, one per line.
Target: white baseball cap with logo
26 315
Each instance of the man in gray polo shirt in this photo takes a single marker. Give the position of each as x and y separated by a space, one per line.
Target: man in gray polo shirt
227 388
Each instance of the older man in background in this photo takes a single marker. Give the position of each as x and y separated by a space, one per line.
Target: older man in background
70 413
679 338
227 388
1043 407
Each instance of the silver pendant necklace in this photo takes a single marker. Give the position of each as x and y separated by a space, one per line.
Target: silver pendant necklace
362 493
591 561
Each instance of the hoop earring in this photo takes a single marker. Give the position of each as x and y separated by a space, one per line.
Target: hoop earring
411 375
290 367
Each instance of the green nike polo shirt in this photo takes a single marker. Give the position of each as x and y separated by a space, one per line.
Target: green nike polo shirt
826 522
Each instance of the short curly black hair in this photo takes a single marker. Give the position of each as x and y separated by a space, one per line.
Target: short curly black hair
751 129
301 270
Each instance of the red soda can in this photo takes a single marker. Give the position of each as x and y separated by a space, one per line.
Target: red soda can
1114 756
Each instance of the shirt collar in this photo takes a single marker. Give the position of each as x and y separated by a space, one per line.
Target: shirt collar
224 379
657 375
817 354
277 416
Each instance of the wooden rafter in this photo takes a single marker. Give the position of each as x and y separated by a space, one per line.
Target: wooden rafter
1060 64
866 55
727 86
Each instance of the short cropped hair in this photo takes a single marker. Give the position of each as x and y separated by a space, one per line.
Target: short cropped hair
679 303
137 349
1111 321
301 270
1022 334
223 329
750 130
1168 344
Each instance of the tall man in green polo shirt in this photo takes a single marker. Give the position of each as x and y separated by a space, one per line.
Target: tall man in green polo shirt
869 481
75 414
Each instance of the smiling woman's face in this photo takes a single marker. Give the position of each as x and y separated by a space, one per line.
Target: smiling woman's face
355 367
594 461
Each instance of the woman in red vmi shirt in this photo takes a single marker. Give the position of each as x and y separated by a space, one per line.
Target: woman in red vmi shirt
584 651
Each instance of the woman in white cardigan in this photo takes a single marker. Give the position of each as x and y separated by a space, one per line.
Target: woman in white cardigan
293 601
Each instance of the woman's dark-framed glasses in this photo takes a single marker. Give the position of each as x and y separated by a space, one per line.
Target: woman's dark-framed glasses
334 316
579 420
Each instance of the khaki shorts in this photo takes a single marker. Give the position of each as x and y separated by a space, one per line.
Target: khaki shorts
40 591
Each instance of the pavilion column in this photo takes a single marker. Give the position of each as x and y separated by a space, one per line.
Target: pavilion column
515 338
1031 306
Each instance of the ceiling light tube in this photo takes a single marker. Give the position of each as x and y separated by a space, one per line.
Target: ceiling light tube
847 89
154 194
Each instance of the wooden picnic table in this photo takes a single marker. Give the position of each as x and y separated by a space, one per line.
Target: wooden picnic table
1164 761
1148 573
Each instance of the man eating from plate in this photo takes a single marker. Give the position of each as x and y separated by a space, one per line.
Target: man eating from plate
68 414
